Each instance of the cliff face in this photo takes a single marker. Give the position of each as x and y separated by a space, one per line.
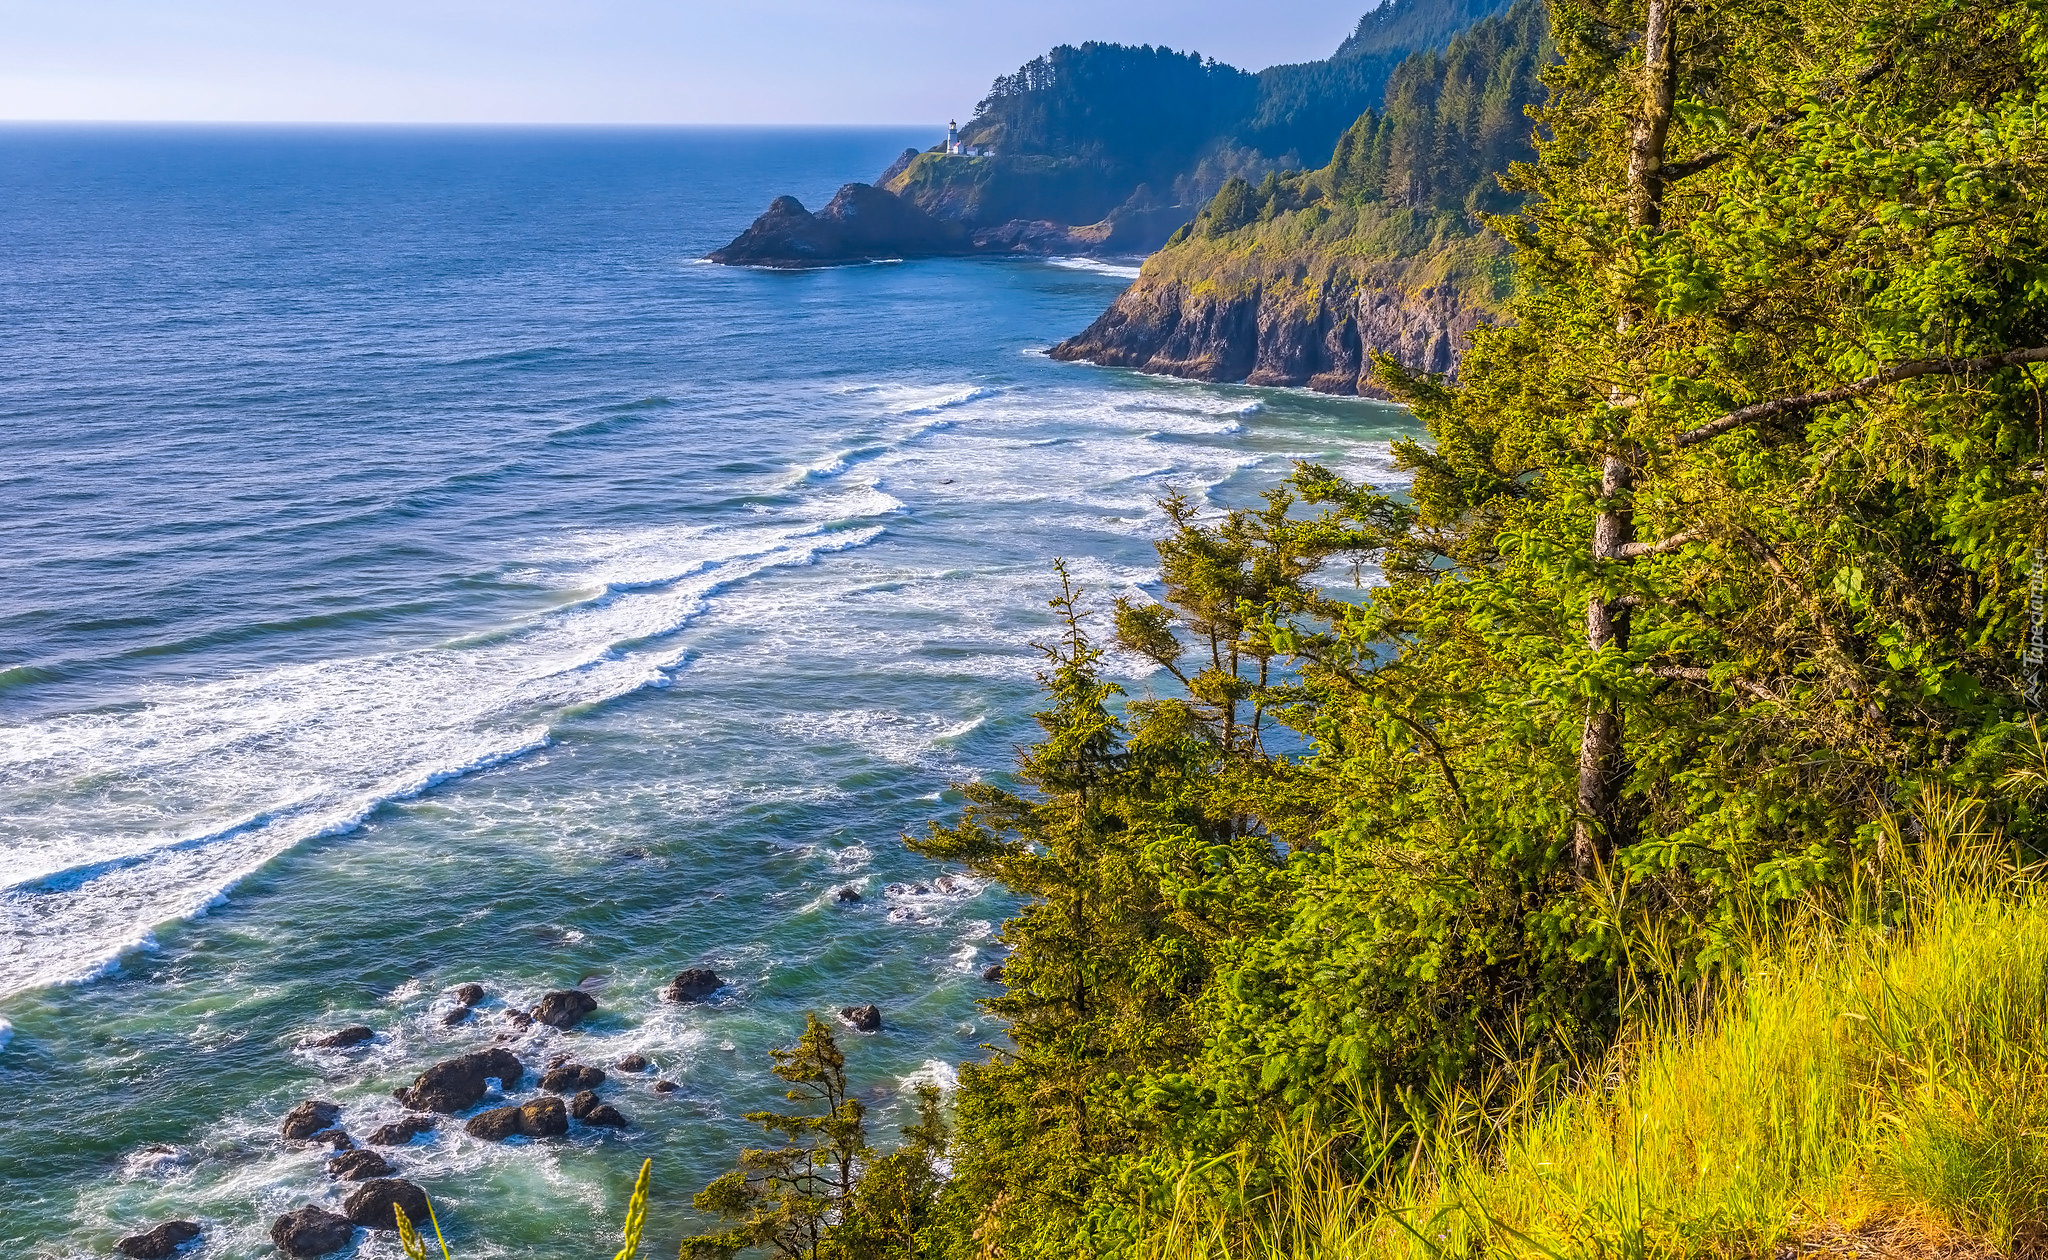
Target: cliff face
1267 306
1320 335
861 223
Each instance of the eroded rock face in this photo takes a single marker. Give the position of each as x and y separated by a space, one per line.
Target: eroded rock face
159 1243
563 1008
459 1083
1318 328
541 1118
371 1206
359 1166
309 1118
403 1131
862 1018
693 985
311 1231
570 1077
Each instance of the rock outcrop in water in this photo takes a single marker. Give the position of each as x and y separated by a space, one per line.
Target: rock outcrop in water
541 1118
371 1206
1308 324
309 1118
693 985
861 224
563 1008
160 1243
459 1083
310 1232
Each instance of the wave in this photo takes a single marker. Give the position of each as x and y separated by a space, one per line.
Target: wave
1122 271
954 398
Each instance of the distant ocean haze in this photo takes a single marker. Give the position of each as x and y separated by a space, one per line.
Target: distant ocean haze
418 568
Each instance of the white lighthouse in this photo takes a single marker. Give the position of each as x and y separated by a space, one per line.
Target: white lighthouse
953 136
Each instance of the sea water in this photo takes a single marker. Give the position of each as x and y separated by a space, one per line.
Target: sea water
417 568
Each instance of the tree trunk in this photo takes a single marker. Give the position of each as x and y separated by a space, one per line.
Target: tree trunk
1602 768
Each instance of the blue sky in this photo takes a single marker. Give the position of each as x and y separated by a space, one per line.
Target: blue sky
588 61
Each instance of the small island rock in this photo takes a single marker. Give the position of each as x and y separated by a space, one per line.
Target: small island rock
309 1118
863 1018
343 1039
635 1062
541 1118
459 1083
570 1077
159 1243
563 1008
666 1087
359 1166
468 994
371 1207
403 1131
693 985
310 1232
994 975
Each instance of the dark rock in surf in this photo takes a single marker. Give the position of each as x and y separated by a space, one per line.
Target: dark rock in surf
994 975
336 1139
635 1062
460 1015
605 1116
403 1131
862 1018
310 1232
359 1166
309 1118
570 1077
371 1207
860 224
563 1008
343 1039
459 1083
541 1118
583 1104
519 1019
159 1243
666 1087
693 985
468 994
847 896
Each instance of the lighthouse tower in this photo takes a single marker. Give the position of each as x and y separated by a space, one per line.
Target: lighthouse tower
953 136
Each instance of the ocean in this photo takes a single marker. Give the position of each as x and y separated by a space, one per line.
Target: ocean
417 569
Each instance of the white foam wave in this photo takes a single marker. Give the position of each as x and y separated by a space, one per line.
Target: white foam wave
934 1072
1123 271
952 397
118 820
6 1033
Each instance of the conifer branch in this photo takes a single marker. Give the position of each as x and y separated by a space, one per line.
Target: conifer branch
1762 127
1694 674
1638 551
1856 389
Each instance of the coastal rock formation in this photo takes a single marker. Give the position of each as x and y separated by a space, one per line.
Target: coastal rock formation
359 1166
1309 325
862 1018
343 1039
599 1115
666 1087
311 1231
308 1119
159 1243
541 1118
635 1062
468 994
571 1077
563 1008
371 1207
459 1083
693 985
860 224
403 1131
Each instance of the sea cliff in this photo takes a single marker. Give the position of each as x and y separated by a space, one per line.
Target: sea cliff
1306 299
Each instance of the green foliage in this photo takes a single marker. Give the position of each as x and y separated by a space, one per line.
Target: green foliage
789 1198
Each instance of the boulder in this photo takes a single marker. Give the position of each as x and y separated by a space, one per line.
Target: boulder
635 1062
666 1087
570 1077
371 1206
605 1116
342 1039
309 1118
563 1008
402 1131
693 985
159 1243
519 1019
862 1018
336 1139
541 1118
460 1015
311 1232
458 1083
468 994
359 1166
849 895
994 975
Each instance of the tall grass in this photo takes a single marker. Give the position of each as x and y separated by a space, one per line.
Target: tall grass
1875 1077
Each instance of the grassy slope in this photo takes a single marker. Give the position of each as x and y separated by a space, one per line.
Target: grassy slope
1860 1089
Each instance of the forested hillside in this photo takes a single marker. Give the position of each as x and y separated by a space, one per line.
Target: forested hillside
1644 867
1300 279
